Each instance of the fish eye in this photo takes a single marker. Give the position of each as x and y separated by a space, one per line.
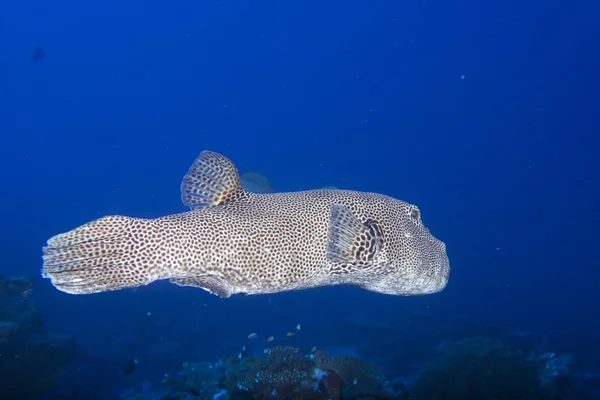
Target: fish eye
415 216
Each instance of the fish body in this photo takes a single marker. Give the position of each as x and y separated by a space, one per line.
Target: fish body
37 54
233 241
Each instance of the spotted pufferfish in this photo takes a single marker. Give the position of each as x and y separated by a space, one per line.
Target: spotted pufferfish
233 241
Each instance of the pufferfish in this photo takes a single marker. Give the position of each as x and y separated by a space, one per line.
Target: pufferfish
233 241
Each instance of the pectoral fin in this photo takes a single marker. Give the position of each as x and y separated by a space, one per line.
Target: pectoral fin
352 242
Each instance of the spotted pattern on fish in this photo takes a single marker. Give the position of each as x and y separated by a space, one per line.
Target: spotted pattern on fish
236 242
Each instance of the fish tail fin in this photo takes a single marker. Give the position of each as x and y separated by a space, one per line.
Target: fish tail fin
110 253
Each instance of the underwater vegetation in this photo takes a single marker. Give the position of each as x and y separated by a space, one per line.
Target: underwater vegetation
30 357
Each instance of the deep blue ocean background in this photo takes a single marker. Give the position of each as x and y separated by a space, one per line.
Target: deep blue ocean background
484 114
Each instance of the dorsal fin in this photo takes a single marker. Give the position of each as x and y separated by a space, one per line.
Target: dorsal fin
211 181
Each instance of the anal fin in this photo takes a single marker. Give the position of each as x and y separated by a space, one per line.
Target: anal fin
352 242
211 283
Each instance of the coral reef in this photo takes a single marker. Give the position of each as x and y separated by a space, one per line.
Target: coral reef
359 377
554 373
284 373
480 368
477 368
31 358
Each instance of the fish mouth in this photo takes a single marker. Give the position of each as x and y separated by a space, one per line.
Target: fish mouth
443 263
443 275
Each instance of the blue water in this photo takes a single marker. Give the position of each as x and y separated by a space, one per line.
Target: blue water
484 114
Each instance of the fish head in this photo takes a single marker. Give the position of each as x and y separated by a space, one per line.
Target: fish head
412 262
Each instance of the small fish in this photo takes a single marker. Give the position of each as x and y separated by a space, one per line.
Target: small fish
313 350
355 382
270 339
244 348
255 182
299 327
37 54
290 334
129 367
253 336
